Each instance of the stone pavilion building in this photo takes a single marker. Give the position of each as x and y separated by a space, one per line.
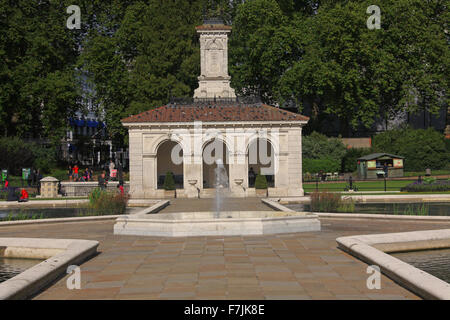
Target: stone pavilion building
192 138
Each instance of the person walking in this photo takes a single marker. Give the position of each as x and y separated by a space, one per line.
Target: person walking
39 178
120 173
251 177
386 170
32 177
102 181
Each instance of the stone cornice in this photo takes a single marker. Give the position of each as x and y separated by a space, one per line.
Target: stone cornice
189 125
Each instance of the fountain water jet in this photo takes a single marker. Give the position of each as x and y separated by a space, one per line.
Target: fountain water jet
221 184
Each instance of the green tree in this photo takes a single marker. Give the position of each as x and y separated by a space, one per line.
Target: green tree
327 57
38 79
319 146
421 148
150 54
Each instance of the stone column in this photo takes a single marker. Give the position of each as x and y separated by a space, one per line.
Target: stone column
135 156
149 175
238 174
295 162
192 169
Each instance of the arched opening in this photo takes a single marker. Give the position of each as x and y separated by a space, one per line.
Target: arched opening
261 160
215 160
170 159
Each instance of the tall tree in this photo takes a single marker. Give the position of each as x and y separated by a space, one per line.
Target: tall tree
38 82
328 58
152 54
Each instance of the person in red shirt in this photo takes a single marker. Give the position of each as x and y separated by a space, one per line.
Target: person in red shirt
75 173
121 190
6 183
24 196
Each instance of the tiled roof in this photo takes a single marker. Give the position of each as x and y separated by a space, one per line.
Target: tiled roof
215 113
213 27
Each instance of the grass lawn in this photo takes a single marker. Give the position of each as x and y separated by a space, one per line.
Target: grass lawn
378 185
422 173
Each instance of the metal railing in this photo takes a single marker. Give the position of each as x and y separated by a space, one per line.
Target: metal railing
381 184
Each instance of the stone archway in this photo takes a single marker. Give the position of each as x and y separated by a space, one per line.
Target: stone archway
214 152
261 159
169 158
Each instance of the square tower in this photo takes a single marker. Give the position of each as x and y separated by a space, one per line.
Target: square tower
214 81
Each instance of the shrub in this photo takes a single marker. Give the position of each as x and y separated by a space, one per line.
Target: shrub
324 201
349 160
316 165
260 182
102 202
421 148
169 183
319 146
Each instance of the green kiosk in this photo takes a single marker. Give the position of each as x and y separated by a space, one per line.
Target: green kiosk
376 165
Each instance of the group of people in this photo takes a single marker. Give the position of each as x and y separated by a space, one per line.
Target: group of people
111 172
75 175
11 193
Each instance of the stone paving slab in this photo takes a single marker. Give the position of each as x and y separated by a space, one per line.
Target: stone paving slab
288 266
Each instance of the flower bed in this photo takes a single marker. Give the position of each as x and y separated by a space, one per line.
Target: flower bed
428 186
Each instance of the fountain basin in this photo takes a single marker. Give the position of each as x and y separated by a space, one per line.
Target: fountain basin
232 223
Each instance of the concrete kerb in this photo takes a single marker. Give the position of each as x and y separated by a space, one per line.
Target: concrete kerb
275 205
278 206
367 248
153 209
230 223
59 254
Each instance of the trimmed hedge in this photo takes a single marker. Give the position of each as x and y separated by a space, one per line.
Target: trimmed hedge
316 165
260 182
169 182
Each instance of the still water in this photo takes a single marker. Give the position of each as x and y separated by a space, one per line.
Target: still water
45 213
435 262
431 208
12 267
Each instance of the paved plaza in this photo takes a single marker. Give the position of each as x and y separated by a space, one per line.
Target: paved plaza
290 266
